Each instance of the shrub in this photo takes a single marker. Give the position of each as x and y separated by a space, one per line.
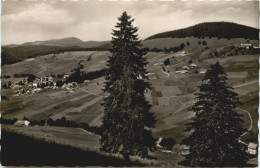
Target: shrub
199 43
167 62
167 143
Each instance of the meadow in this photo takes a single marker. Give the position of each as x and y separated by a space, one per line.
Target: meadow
171 95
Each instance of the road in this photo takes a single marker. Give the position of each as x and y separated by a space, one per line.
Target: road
165 73
244 84
251 121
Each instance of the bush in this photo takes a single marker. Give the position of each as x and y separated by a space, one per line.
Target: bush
31 78
190 61
216 53
59 83
167 62
167 143
199 43
4 86
6 76
182 46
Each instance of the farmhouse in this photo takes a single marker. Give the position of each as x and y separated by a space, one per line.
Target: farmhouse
44 80
65 76
202 71
185 67
193 66
247 46
185 150
21 123
181 72
252 148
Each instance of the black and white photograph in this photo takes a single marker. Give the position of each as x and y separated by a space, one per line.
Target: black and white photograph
129 83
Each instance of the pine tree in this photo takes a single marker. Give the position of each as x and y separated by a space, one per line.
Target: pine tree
127 120
216 127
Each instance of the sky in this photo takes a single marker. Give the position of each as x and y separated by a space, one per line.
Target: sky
93 20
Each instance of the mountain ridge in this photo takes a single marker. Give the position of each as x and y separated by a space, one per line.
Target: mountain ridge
211 29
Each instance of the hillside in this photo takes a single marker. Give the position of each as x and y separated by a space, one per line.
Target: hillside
19 53
171 95
65 42
212 29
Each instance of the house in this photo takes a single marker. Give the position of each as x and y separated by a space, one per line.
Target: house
185 150
185 67
158 142
181 72
21 123
158 63
65 76
193 66
252 148
247 46
202 71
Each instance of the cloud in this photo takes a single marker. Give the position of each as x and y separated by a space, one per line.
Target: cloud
94 20
37 21
40 14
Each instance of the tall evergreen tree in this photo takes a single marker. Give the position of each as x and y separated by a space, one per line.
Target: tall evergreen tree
127 120
216 127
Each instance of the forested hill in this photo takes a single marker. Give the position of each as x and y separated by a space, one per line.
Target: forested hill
212 29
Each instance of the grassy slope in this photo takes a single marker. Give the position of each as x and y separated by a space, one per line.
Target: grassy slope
174 94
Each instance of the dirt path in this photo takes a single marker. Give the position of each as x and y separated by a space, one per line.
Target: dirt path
244 84
251 121
85 131
93 93
165 73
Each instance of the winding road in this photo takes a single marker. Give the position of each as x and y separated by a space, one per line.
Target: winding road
251 121
165 73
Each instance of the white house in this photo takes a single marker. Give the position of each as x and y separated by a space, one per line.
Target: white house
252 148
181 72
65 76
202 71
247 46
185 150
21 123
185 67
193 66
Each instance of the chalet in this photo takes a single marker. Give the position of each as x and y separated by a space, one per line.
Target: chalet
185 67
252 148
247 46
158 63
65 76
21 123
202 71
181 72
193 66
185 150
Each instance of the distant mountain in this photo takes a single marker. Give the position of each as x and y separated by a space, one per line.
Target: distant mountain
10 45
212 29
65 42
14 53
